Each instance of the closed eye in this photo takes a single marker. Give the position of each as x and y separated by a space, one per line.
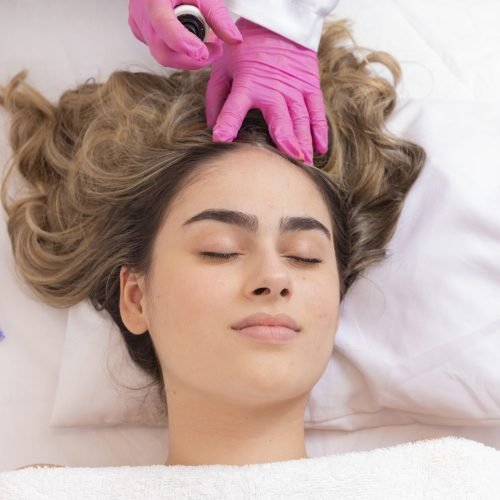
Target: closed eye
227 256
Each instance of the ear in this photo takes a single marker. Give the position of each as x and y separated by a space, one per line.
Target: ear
133 301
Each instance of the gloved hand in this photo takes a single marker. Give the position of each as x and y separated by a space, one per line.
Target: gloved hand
276 75
153 22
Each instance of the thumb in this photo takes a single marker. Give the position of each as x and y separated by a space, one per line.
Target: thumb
221 22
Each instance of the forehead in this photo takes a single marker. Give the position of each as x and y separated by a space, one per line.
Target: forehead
251 180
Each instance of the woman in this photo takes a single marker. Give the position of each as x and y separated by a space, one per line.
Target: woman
181 239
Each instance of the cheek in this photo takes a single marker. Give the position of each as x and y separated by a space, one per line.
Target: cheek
185 298
322 297
186 309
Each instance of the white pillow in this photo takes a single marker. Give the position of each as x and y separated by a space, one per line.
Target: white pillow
419 334
98 383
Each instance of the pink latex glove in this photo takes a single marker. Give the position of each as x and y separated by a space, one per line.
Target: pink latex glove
276 75
153 22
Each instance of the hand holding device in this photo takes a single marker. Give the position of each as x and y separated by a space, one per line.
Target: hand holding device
155 23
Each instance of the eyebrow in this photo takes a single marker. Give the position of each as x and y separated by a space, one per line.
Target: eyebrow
251 222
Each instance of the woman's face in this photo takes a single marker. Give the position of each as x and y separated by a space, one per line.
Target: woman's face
191 301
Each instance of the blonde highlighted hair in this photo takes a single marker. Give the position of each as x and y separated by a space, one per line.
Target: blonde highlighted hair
104 163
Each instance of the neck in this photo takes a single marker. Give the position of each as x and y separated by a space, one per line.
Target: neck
209 433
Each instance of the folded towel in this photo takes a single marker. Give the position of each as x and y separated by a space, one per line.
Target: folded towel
446 468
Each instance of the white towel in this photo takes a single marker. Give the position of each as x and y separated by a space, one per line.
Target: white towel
446 468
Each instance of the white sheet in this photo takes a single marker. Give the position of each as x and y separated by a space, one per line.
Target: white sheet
448 50
438 469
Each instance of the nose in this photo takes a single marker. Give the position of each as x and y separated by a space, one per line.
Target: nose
270 277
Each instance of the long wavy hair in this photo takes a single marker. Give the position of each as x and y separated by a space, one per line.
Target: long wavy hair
104 163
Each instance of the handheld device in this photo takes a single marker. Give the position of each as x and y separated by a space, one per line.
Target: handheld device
193 20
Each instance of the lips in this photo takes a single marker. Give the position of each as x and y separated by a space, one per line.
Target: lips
263 319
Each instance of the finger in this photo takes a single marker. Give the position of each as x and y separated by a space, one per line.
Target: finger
167 57
233 113
215 50
280 126
319 124
172 32
301 125
221 22
218 88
